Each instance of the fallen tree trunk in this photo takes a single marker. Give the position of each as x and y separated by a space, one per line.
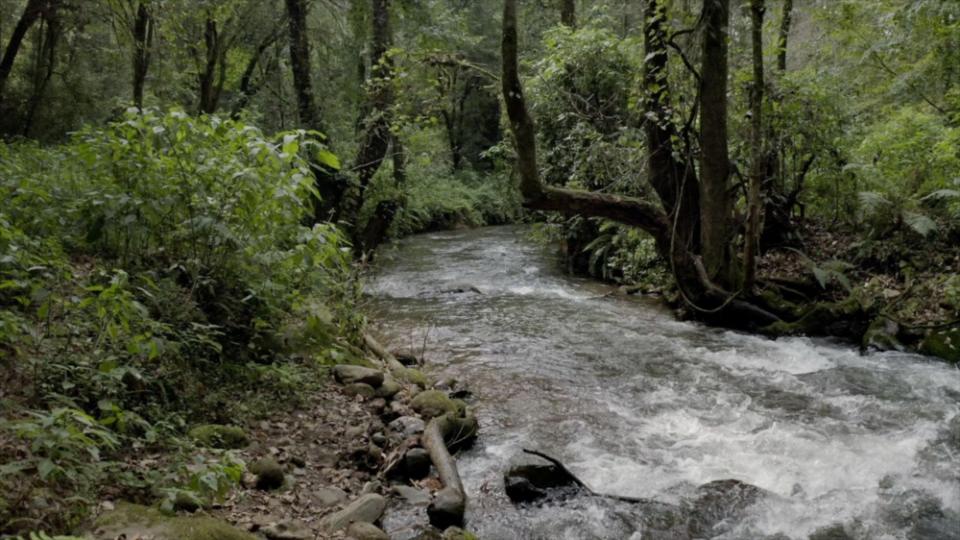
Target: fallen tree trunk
449 504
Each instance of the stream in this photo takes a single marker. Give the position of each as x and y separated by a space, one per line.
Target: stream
638 404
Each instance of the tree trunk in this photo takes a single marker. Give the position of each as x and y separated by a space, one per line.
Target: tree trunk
568 13
376 137
715 200
785 23
31 13
43 69
247 88
669 174
329 185
751 240
208 77
142 44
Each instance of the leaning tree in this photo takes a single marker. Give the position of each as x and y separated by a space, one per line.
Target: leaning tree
693 219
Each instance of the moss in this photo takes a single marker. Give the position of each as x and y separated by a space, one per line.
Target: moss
456 533
136 521
433 403
944 344
413 376
269 473
843 318
218 436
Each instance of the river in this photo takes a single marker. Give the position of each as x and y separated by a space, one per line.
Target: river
639 404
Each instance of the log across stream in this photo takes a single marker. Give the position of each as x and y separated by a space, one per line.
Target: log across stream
639 405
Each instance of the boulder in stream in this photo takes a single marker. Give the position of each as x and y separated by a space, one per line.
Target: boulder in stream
530 478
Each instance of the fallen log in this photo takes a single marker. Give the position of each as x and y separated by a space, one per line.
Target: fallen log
449 504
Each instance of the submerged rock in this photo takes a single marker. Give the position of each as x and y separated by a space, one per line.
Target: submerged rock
219 436
366 509
720 501
349 374
135 521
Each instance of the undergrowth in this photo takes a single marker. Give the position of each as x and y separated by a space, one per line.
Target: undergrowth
152 273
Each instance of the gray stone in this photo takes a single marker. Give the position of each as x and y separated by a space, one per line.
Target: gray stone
416 463
365 531
412 495
389 388
287 530
348 374
366 509
330 496
407 426
447 508
528 478
359 389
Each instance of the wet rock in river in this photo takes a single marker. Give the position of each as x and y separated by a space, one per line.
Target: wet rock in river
530 478
718 502
446 509
349 374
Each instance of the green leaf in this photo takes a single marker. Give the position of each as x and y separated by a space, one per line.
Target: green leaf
329 159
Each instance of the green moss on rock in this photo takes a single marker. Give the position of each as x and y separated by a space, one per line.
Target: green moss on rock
413 376
219 436
136 521
944 344
434 403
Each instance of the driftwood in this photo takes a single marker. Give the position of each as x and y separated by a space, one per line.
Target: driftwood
381 352
449 504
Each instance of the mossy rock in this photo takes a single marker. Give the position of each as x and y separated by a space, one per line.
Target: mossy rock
845 318
456 533
459 430
944 344
882 336
136 521
219 436
413 376
269 473
434 403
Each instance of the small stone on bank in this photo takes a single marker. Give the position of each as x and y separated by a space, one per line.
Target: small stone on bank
348 374
365 531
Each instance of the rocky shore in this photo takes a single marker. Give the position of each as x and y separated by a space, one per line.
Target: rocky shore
359 448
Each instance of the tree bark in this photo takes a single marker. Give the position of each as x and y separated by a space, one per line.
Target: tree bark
30 15
208 76
715 199
751 240
568 13
328 184
247 88
785 23
43 69
142 44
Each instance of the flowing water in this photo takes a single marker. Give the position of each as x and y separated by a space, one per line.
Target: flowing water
638 404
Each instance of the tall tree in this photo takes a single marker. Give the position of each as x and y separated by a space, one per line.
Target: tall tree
671 172
568 13
46 57
751 242
143 28
786 20
212 74
716 204
329 186
31 14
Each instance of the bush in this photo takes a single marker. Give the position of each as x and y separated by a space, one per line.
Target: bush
149 272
